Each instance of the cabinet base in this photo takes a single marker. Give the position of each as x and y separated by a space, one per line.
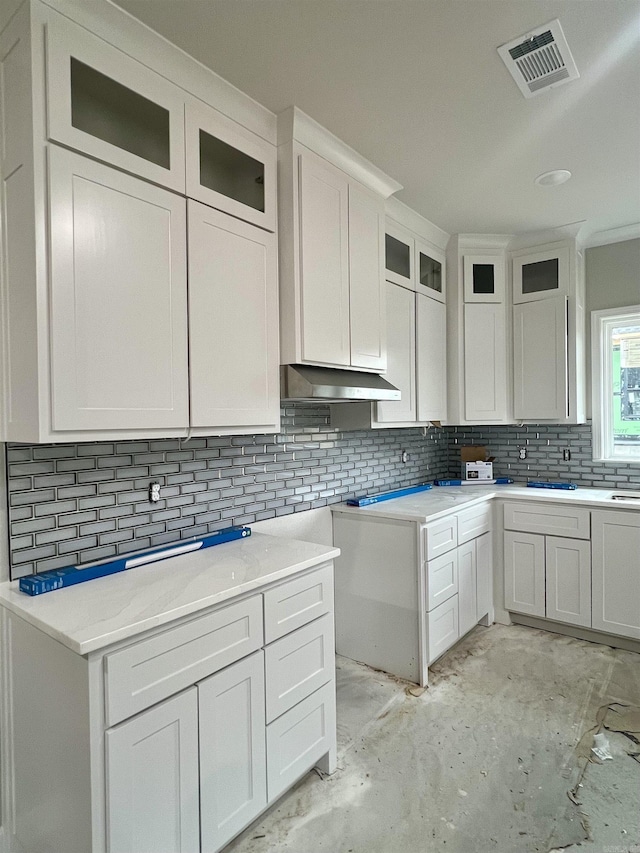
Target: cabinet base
587 634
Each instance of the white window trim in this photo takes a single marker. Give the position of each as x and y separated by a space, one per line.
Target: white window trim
602 424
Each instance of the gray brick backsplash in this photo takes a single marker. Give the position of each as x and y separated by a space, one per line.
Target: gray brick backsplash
76 503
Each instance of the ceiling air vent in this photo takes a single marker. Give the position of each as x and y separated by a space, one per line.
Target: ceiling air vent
540 59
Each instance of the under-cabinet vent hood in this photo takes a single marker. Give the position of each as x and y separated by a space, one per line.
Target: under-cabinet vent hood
304 383
540 59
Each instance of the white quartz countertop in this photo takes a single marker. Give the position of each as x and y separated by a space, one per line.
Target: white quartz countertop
441 500
92 615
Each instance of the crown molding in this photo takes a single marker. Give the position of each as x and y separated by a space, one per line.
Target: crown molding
613 235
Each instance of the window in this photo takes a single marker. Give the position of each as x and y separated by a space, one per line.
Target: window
615 368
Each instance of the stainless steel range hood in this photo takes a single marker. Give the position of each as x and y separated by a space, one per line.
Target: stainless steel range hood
305 383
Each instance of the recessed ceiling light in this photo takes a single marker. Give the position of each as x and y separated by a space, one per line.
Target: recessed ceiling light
552 179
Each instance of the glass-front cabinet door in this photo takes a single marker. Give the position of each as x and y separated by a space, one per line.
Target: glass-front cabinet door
399 255
103 103
541 274
430 272
229 167
484 279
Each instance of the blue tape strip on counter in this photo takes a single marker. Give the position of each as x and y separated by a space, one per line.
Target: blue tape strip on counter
366 500
540 485
70 575
499 481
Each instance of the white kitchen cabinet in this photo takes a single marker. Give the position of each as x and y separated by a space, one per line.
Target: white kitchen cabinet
229 167
161 741
524 583
94 288
479 367
540 362
118 299
151 776
400 261
547 574
402 621
430 271
234 378
616 572
431 361
233 763
330 212
549 330
401 355
104 103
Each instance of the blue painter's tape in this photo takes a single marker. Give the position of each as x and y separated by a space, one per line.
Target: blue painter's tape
70 575
539 485
366 500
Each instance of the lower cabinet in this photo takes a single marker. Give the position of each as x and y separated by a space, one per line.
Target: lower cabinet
221 732
616 572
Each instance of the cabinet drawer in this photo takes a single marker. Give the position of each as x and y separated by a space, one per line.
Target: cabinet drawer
442 579
299 738
296 602
443 628
440 537
473 523
554 519
298 664
149 671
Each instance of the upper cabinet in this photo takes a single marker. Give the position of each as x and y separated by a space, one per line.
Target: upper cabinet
106 104
549 328
478 330
122 317
331 224
229 167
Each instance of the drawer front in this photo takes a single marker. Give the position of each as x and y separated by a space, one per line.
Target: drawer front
442 579
297 602
443 628
149 671
298 664
554 519
299 738
440 537
473 523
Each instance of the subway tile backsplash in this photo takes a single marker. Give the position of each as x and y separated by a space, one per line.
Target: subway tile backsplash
76 503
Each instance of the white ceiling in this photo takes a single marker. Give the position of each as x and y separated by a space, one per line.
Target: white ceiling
418 87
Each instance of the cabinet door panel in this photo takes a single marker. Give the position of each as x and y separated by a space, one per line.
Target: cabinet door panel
104 103
401 355
229 167
540 359
541 275
152 779
324 262
233 788
442 579
615 545
399 256
524 573
467 592
484 579
118 299
484 279
431 359
233 322
366 284
485 366
442 628
568 580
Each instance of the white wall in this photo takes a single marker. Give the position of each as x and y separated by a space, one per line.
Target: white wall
613 275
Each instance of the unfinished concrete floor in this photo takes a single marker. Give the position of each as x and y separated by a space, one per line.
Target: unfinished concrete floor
482 761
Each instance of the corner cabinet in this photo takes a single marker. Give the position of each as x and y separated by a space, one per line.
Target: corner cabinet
615 539
120 318
549 333
179 738
332 298
478 330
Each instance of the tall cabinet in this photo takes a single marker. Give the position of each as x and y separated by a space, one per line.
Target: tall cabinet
415 291
121 316
478 330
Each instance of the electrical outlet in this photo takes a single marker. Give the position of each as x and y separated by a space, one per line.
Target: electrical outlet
566 454
522 453
154 492
404 456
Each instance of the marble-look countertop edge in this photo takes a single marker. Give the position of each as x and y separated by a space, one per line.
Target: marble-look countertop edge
20 604
463 498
